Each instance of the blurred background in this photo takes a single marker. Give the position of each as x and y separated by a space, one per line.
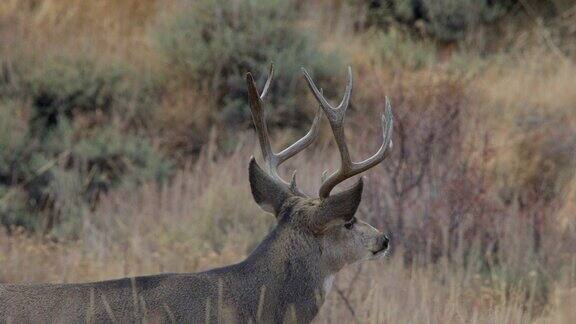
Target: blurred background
125 135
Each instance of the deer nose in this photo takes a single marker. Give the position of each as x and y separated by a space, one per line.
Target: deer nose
385 242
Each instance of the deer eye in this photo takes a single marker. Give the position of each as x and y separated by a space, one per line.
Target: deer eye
350 224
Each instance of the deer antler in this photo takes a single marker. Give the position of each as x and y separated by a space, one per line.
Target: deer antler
273 160
336 118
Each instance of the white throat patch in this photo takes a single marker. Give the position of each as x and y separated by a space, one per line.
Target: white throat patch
328 281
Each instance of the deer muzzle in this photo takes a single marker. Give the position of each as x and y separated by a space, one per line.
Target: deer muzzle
383 244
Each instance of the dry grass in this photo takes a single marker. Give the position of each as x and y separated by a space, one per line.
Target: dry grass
112 27
206 218
165 230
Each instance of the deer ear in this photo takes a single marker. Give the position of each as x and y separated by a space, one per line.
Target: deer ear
339 208
268 193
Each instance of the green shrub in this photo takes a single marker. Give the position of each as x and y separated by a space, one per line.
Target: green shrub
13 146
14 209
451 19
102 161
108 158
72 126
214 43
65 86
397 48
446 20
13 132
8 83
47 183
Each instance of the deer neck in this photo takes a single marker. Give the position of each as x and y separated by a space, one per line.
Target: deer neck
289 265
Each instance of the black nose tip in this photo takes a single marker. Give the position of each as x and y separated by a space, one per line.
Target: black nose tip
385 243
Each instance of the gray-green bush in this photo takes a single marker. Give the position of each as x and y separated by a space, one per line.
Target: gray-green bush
67 138
47 183
446 20
66 86
399 49
451 19
214 43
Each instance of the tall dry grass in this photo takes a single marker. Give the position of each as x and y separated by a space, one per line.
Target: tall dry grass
114 28
206 218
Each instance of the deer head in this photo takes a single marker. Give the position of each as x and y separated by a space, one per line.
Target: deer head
327 223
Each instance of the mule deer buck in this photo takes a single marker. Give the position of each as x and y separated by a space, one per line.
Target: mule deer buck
285 279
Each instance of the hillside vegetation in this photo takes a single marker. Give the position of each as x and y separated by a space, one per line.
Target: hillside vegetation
125 136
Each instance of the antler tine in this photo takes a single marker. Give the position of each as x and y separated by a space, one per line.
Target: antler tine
336 118
333 113
303 142
274 160
268 81
258 117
